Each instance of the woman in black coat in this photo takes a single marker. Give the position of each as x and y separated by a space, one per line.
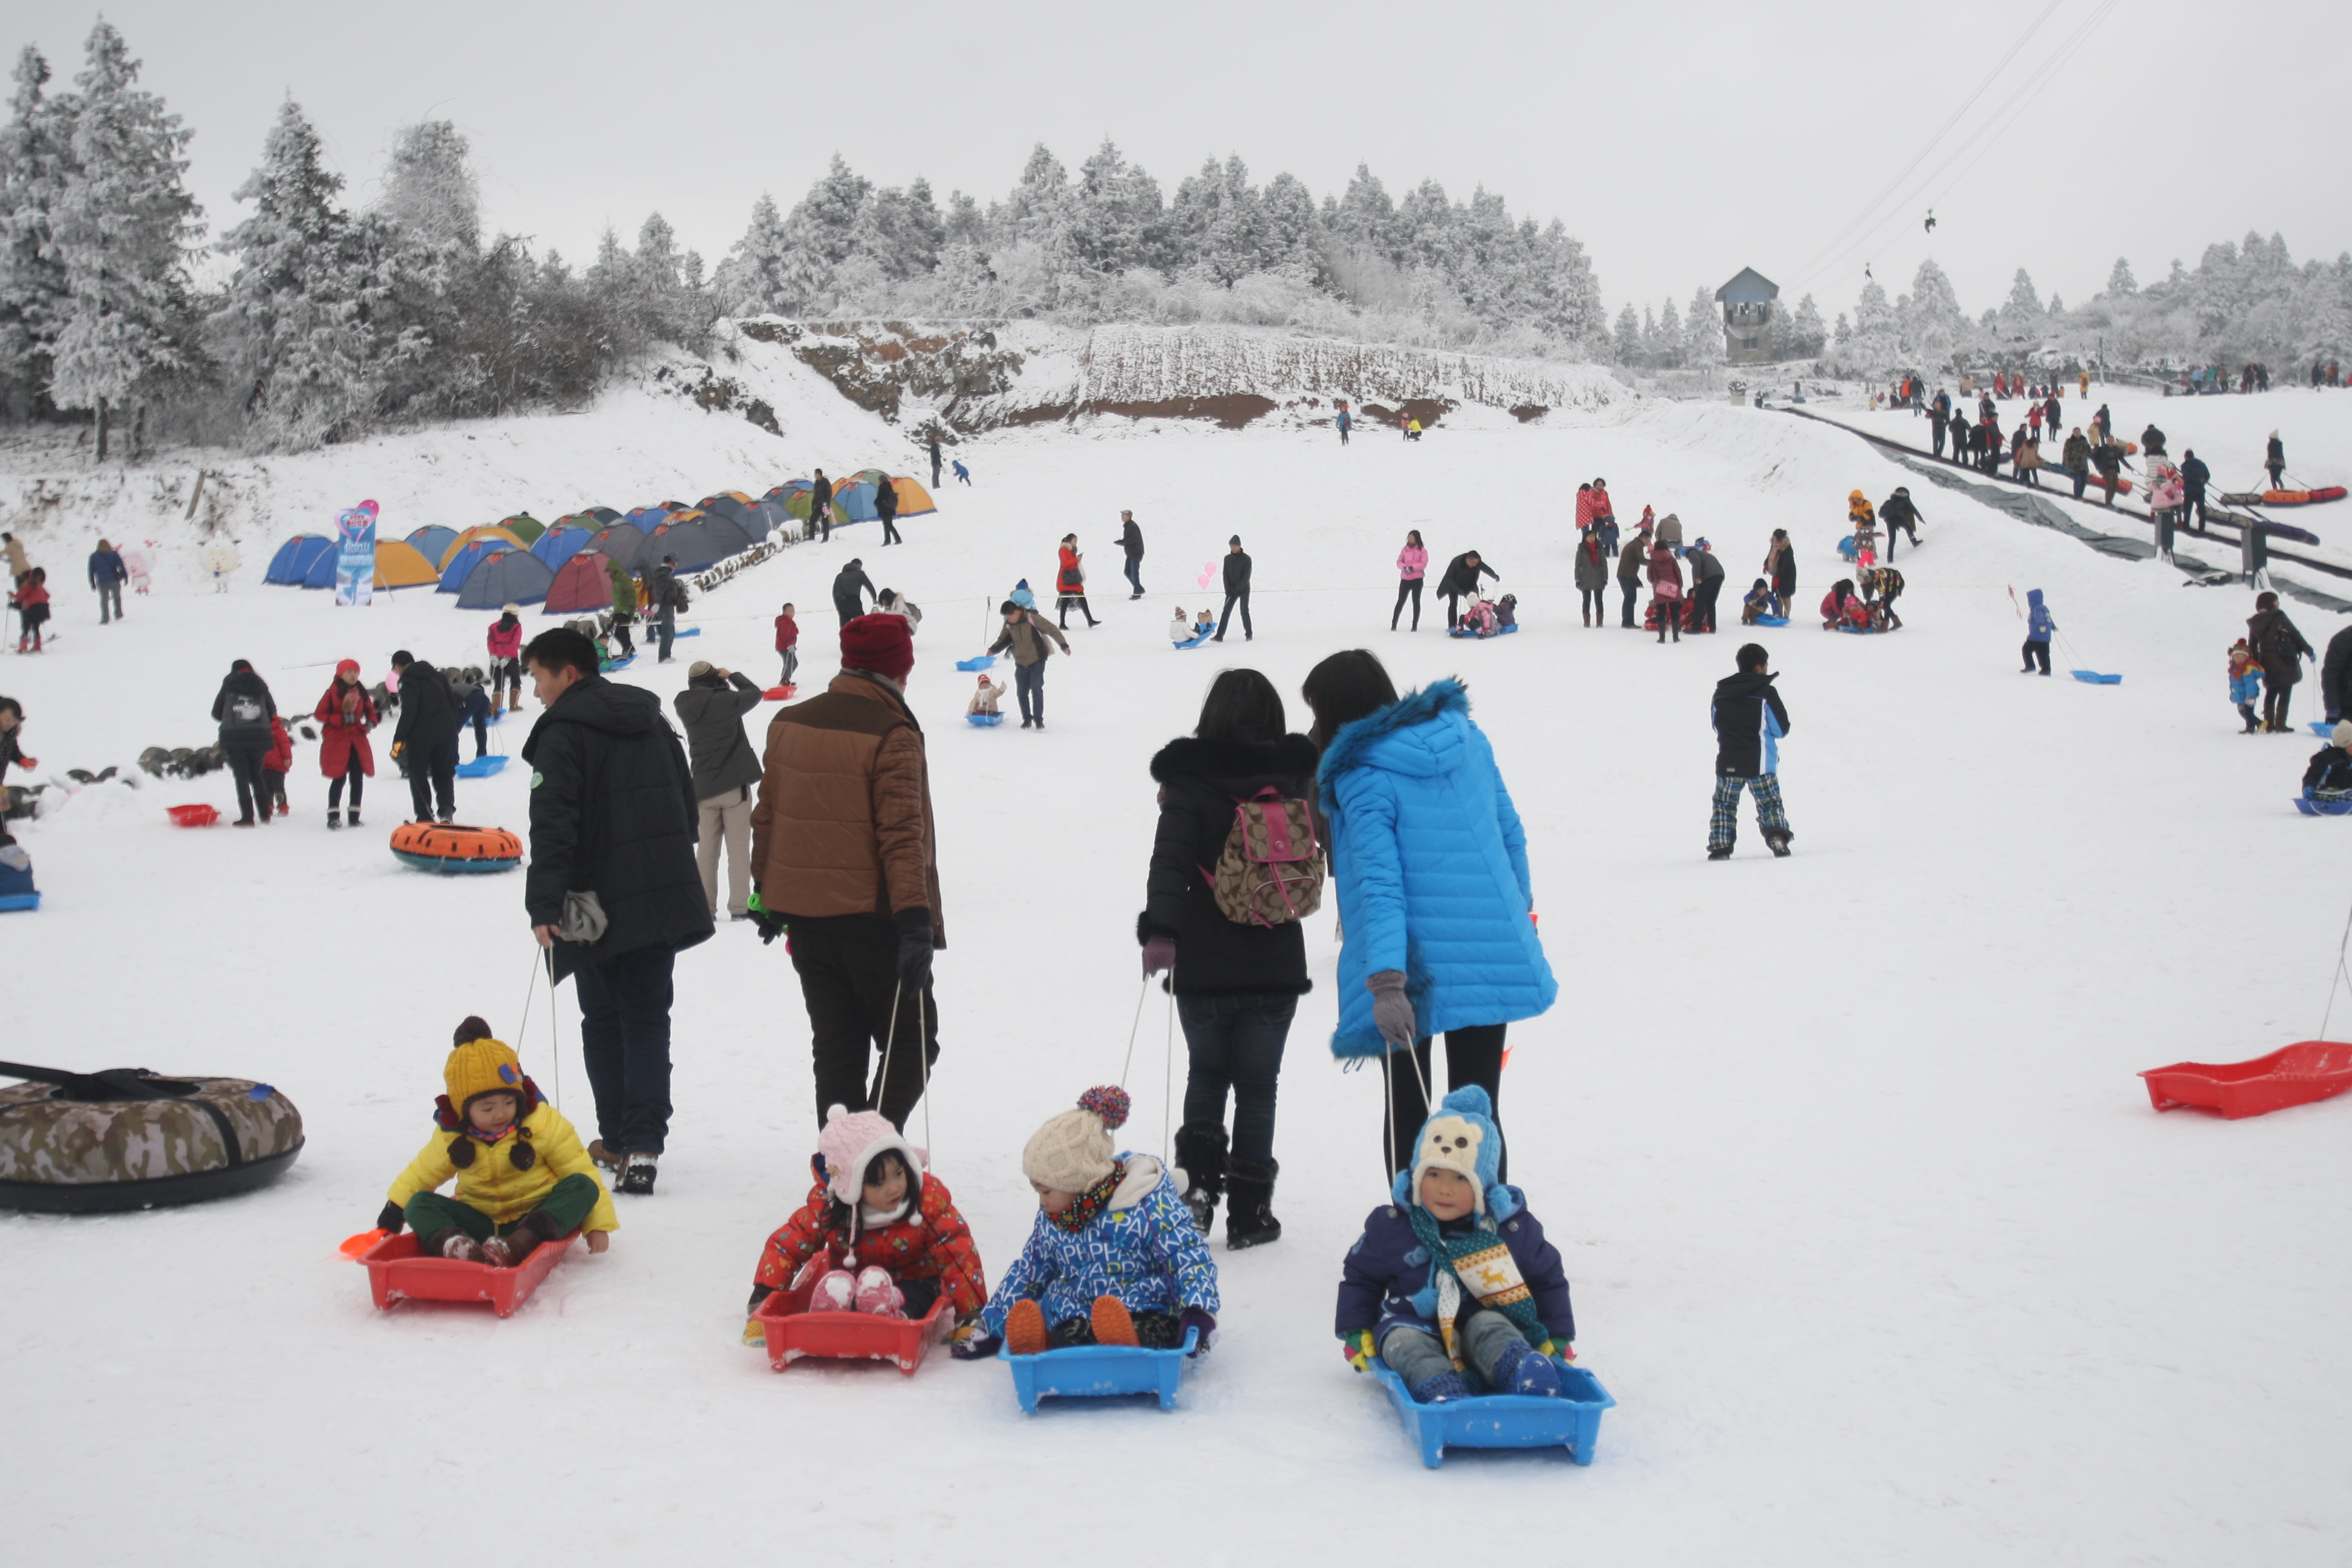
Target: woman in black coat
1236 985
244 709
2282 649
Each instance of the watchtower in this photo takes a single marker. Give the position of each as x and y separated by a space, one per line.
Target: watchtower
1749 314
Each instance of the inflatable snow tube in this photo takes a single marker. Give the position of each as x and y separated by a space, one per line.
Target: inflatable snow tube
127 1139
2302 498
455 850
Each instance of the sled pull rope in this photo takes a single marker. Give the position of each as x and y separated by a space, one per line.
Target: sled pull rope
1167 1089
1136 1028
2340 977
542 962
922 1056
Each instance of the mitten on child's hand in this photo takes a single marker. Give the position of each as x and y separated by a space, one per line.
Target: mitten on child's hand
1199 1318
1392 1009
1359 1349
390 1220
968 1343
1558 1350
755 1333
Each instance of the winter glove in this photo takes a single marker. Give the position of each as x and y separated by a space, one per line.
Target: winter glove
396 746
1159 955
770 924
1199 1318
1392 1009
1558 1350
390 1220
914 948
1359 1349
755 1333
968 1343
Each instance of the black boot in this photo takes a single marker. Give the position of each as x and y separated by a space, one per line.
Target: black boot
1249 1218
1200 1155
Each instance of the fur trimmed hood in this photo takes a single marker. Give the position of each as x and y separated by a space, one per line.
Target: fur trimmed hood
1423 733
1188 756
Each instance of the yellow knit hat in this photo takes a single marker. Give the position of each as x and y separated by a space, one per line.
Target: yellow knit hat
482 1067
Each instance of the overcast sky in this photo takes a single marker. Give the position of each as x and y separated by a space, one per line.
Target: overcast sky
1679 142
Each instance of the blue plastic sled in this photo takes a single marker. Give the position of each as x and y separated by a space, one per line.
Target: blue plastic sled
2322 728
685 632
1196 642
1466 631
2303 804
984 661
480 767
1505 1420
612 664
20 901
1771 620
1092 1372
2093 678
984 720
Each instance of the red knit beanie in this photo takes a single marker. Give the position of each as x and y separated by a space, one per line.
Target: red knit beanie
878 643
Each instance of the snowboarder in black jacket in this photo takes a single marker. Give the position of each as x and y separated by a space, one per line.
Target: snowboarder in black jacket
426 739
1750 720
1238 591
850 589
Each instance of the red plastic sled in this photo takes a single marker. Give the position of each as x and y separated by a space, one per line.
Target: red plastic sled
780 693
794 1332
192 815
395 1272
2301 1073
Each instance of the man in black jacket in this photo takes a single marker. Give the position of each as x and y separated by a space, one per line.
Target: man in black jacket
244 709
2336 675
725 766
885 507
663 590
1707 582
1939 414
1130 539
1461 579
612 814
1897 514
850 591
1237 590
2194 476
820 506
426 739
1749 723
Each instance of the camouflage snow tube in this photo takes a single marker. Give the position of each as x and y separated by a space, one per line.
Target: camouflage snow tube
127 1139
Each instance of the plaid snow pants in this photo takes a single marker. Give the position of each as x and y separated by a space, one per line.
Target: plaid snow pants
1771 817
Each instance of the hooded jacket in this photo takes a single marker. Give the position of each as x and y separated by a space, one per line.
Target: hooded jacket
2280 646
1748 722
1429 865
1143 1248
613 811
624 588
712 709
1201 782
489 1181
505 639
2038 622
2196 475
428 709
1030 639
244 709
2330 770
1591 562
342 732
929 1242
850 589
1388 1281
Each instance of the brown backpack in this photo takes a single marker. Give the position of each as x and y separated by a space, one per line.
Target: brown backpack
1272 868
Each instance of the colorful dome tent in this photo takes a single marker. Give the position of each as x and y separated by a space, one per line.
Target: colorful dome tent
792 495
619 542
740 509
291 567
699 540
461 565
604 515
399 565
914 500
432 541
853 501
560 543
580 584
524 527
646 518
474 536
505 576
771 509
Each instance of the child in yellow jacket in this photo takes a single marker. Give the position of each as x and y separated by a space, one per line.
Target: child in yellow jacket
522 1177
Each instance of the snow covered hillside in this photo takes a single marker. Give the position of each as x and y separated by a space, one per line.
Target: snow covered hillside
1872 1231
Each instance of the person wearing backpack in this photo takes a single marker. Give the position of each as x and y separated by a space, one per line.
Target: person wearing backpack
1429 863
2281 647
243 711
1235 865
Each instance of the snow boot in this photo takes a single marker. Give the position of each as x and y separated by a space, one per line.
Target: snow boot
1024 1329
610 1162
1718 851
335 820
1249 1218
1523 1369
452 1244
1200 1155
1779 843
877 1296
355 817
638 1178
507 1251
1113 1323
1438 1390
242 822
835 1292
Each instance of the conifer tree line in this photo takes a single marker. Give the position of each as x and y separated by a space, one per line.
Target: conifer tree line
320 322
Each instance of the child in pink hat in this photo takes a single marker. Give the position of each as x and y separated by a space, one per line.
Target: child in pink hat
890 1238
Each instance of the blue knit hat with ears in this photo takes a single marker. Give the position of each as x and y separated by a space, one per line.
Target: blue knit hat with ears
1461 1136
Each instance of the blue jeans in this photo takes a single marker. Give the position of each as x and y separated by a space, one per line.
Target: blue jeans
1235 1042
1135 572
624 1035
1029 690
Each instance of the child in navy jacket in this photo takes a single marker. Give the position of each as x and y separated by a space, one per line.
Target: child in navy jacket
1454 1275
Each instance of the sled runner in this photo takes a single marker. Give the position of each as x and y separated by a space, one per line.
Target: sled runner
610 664
395 1273
794 1332
1572 1421
2310 807
1093 1372
985 661
2297 1075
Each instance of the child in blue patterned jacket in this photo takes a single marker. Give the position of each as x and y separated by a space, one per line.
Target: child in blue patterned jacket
1114 1258
1456 1276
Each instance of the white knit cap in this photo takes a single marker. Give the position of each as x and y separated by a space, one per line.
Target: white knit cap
1073 1151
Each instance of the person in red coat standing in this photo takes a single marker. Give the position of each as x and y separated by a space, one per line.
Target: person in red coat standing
506 660
1070 584
788 643
346 713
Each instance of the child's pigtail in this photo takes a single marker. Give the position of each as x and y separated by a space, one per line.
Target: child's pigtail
461 1151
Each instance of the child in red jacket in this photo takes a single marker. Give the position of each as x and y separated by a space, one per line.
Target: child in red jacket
891 1239
276 763
32 601
788 642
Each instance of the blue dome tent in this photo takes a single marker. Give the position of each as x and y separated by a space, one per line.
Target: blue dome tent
291 567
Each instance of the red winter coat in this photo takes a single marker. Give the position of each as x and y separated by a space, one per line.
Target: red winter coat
1584 507
1665 574
279 758
788 633
1604 508
1071 583
343 739
935 1245
506 641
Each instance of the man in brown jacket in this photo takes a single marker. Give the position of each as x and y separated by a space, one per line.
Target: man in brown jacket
843 851
1025 636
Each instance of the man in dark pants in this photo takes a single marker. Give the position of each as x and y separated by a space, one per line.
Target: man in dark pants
243 711
844 853
1939 415
426 739
820 506
935 461
1030 639
1130 539
1630 564
2194 476
885 507
612 891
663 586
851 588
2075 459
1237 590
1707 582
1899 515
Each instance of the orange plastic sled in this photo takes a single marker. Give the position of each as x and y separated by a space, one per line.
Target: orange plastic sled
794 1332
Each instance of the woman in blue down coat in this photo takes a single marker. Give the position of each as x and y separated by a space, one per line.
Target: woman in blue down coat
1430 865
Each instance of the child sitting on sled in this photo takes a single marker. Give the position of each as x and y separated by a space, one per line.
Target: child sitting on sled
1114 1258
1204 623
984 699
1454 1275
1842 606
2245 683
1760 601
1180 629
1478 616
2329 776
890 1235
522 1177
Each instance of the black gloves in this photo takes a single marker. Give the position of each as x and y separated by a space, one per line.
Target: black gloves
390 1220
914 948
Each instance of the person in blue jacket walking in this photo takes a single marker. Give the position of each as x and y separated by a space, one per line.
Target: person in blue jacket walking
107 573
2039 625
1430 865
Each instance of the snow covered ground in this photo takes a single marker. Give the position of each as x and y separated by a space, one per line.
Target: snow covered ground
1872 1231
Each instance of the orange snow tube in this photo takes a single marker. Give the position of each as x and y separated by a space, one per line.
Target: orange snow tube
452 850
2302 498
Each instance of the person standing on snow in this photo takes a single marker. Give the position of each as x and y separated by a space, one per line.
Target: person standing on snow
725 768
669 596
1026 635
506 660
345 715
885 507
1238 591
1130 539
1070 584
1780 567
1592 577
107 573
611 888
788 643
851 590
1667 592
1413 564
1460 581
1605 515
935 459
1750 720
2282 649
243 711
1939 415
2075 459
2151 442
2194 476
1901 516
1631 562
1346 422
625 604
821 507
846 855
425 739
1707 582
2274 460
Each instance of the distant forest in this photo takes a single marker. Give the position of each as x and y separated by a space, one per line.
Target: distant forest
331 321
